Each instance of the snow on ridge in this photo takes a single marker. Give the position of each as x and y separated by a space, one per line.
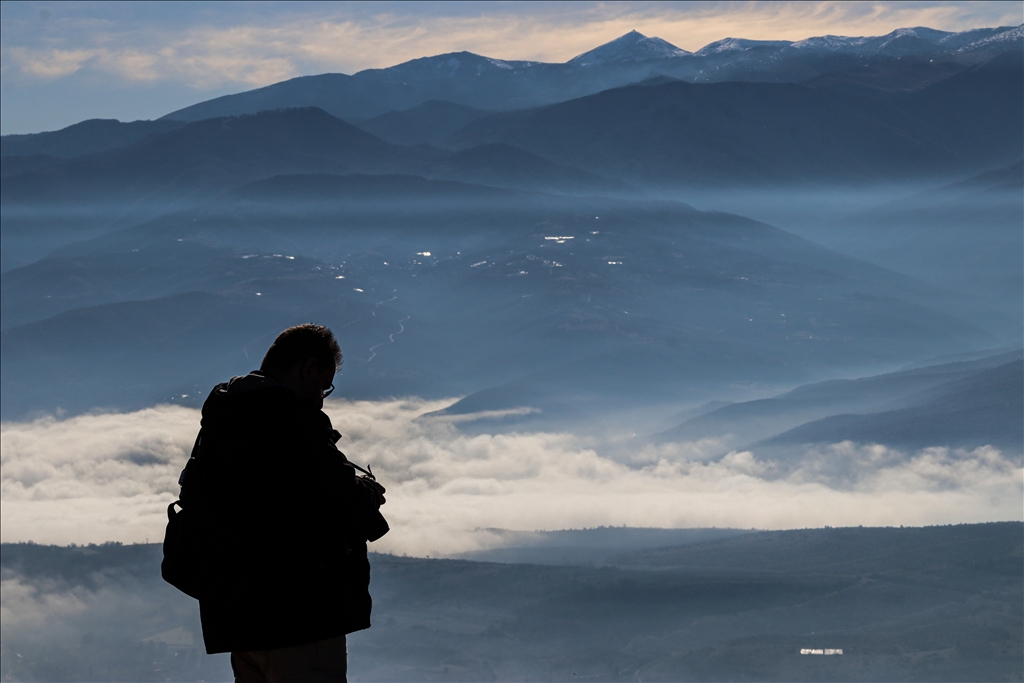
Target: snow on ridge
899 33
510 64
865 44
974 35
455 62
894 42
738 45
830 42
932 35
501 64
1015 33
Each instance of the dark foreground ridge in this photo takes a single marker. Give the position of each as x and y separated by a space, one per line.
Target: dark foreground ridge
937 603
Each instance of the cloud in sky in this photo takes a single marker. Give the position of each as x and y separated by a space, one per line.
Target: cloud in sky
96 478
199 50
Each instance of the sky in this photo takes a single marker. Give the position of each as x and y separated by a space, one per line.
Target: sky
64 62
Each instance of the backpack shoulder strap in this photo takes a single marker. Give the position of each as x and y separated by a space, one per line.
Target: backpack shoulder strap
188 480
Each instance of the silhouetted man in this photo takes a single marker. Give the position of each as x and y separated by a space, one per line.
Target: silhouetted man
284 518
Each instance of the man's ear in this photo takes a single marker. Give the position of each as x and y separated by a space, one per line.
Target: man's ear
309 368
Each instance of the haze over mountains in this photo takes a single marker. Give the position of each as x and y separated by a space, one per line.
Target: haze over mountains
539 234
551 282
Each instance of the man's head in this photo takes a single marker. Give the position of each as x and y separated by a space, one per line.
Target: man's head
304 358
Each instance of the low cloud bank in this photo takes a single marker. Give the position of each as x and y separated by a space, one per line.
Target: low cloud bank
93 478
109 477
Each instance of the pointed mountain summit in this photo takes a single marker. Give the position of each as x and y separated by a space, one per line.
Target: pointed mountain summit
632 47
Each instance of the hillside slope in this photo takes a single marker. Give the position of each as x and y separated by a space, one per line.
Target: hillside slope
934 603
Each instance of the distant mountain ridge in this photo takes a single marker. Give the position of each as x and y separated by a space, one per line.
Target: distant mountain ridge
672 133
736 133
963 404
207 157
476 81
87 137
985 408
464 79
202 159
431 122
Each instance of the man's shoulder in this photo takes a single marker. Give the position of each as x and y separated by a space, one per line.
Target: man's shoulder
248 395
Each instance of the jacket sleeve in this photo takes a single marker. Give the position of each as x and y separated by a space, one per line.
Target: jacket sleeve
357 496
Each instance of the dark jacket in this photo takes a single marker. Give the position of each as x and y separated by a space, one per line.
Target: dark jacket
284 520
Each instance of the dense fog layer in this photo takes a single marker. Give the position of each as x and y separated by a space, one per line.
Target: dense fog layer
103 477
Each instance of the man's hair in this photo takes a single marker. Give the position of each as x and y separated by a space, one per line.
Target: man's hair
296 344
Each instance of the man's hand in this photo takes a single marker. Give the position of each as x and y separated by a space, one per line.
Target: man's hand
375 490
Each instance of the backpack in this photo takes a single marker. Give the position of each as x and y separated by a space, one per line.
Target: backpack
186 560
189 554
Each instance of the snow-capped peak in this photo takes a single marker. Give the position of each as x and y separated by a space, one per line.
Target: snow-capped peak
632 47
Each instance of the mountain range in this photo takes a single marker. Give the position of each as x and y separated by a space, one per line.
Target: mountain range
486 83
737 133
655 135
660 136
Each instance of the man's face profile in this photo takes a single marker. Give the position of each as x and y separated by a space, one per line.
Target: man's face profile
310 381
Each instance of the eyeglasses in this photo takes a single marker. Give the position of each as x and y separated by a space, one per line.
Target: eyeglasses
328 390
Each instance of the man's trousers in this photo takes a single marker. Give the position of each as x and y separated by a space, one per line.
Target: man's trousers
325 661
